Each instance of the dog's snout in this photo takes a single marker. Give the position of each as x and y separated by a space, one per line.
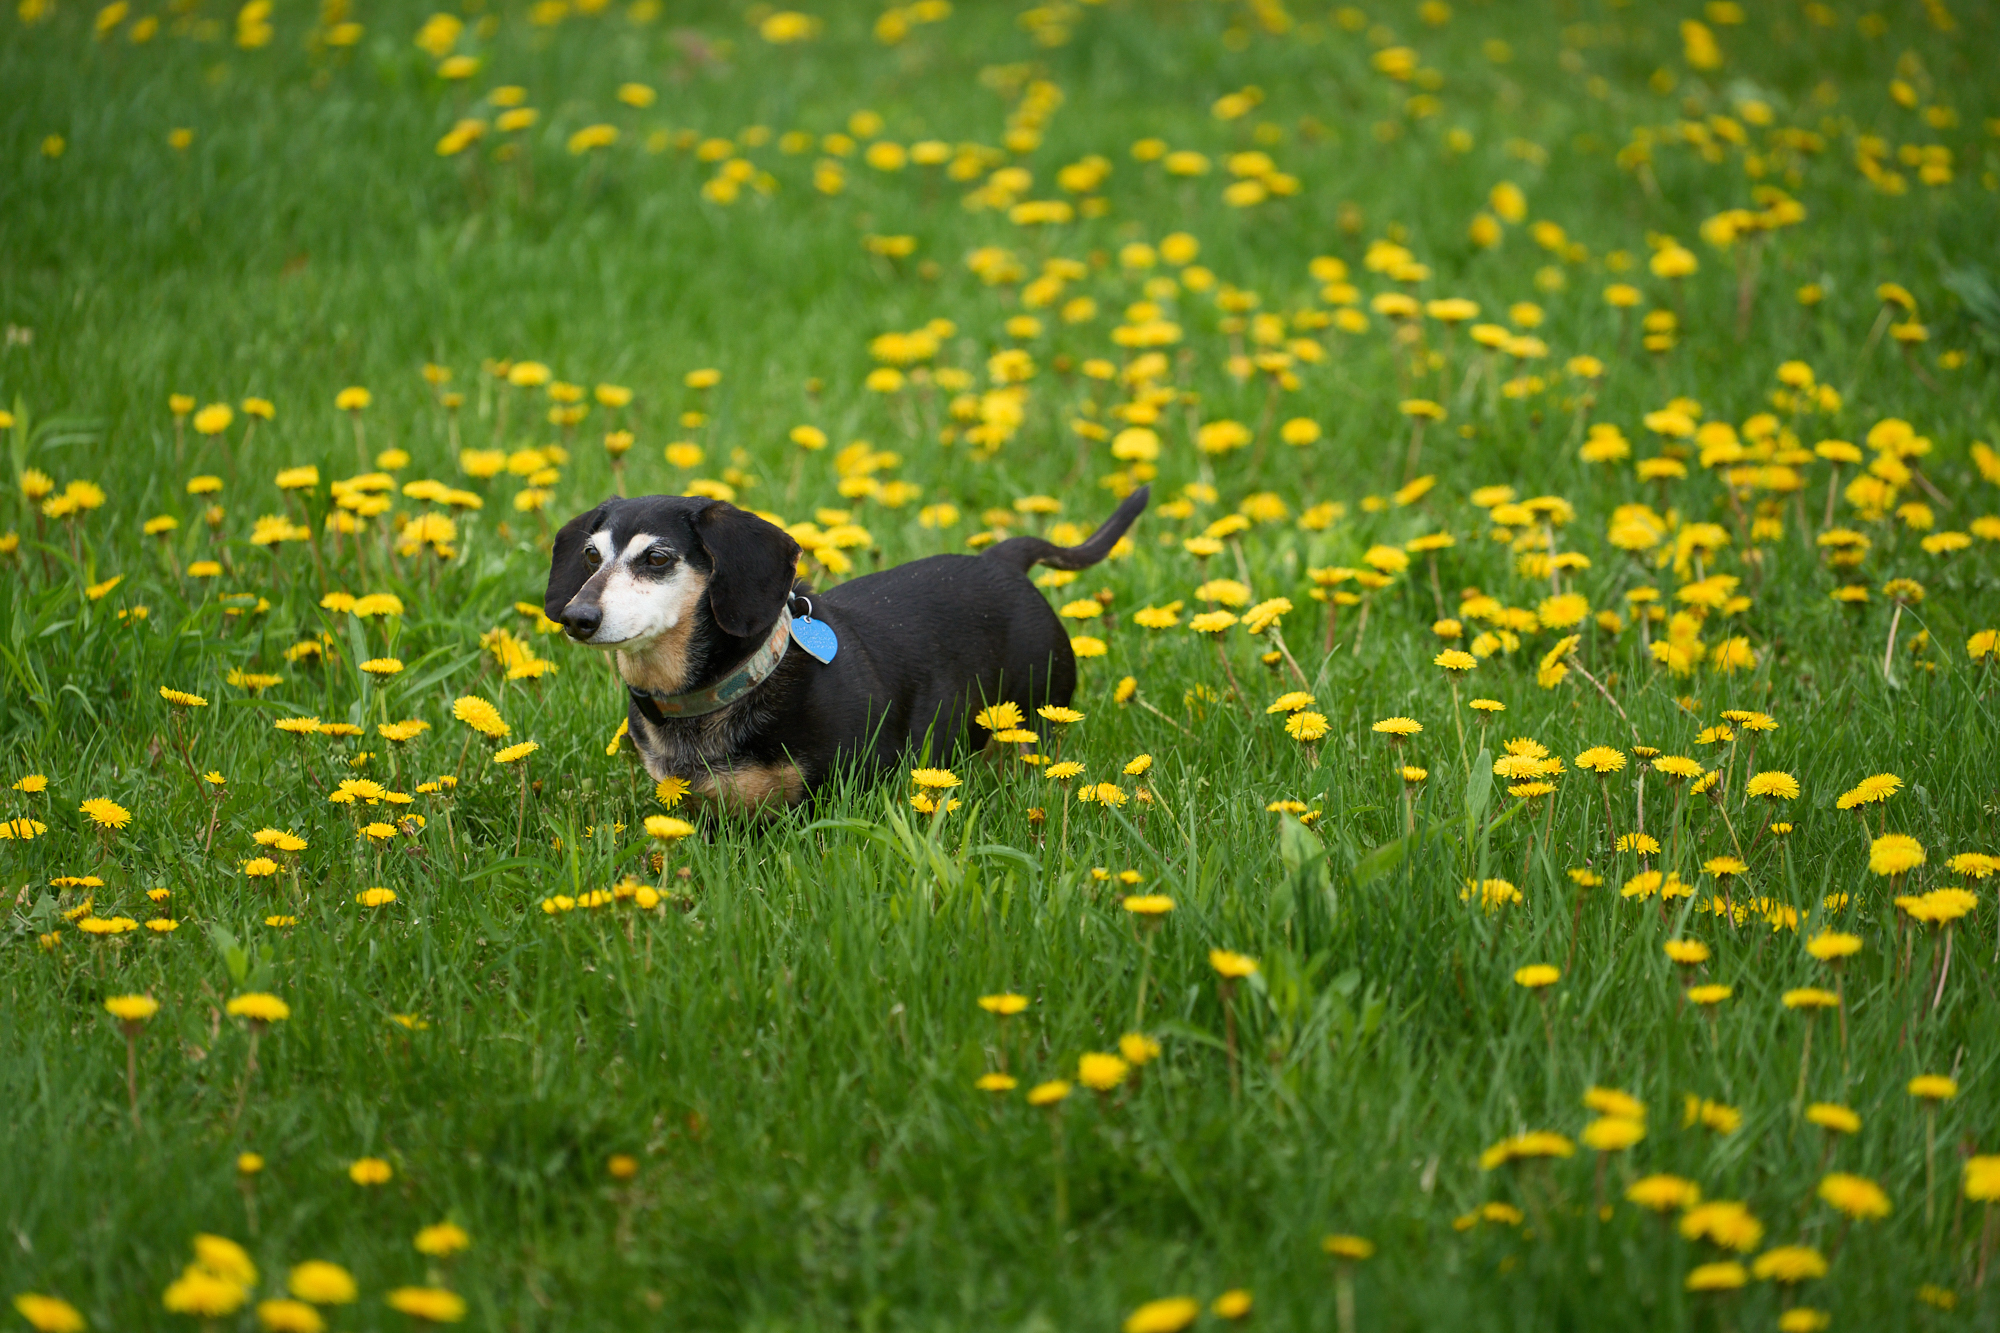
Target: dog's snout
581 619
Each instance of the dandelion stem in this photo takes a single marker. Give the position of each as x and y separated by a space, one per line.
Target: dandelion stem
1840 993
1889 651
1734 841
1674 837
1985 1247
1145 972
1062 1175
1062 834
247 1185
1229 1035
521 815
249 1072
1805 1058
1943 971
1910 360
1278 641
1616 706
1343 1297
1930 1161
1164 718
132 1070
1575 926
1242 699
1458 720
1549 1031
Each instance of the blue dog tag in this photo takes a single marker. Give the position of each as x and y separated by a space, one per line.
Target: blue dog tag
816 637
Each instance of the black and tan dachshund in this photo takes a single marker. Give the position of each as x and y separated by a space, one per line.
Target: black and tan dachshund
720 646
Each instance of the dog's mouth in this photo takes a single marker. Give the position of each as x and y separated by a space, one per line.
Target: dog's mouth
593 636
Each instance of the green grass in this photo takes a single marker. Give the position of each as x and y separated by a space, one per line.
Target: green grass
789 1048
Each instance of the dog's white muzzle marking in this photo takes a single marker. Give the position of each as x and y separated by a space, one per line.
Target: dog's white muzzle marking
637 609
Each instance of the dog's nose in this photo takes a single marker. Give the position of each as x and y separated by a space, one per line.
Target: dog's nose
581 621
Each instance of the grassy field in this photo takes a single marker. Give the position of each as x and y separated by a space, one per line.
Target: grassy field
1639 356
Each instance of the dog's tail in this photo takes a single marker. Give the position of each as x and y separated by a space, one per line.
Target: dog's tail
1022 553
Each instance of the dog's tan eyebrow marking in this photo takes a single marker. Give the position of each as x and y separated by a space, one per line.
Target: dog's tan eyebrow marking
638 543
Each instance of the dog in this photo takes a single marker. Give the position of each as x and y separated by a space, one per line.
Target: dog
719 645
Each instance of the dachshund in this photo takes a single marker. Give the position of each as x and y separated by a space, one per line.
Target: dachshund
757 690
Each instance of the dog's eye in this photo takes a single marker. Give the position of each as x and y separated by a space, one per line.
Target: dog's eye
658 558
591 557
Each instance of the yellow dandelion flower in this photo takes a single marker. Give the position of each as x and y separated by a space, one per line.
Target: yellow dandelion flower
1832 945
480 715
1232 966
667 829
1101 1071
1601 759
1169 1315
1003 716
369 1171
49 1314
1663 1193
442 1239
1048 1094
1352 1248
258 1007
106 814
1856 1196
1894 854
1613 1133
1835 1117
432 1304
131 1008
1306 726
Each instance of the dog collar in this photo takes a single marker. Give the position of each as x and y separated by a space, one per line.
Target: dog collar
697 703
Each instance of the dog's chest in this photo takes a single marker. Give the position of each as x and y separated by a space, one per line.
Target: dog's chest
705 752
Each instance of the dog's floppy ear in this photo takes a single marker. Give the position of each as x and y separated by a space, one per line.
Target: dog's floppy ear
754 563
567 572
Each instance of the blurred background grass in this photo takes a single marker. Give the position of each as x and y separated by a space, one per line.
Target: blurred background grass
791 1060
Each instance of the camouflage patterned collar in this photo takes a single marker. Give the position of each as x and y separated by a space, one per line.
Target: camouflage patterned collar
697 703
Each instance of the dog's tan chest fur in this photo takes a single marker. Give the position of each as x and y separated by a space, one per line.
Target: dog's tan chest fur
751 787
662 666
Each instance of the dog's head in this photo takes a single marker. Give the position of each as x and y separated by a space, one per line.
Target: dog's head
630 571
